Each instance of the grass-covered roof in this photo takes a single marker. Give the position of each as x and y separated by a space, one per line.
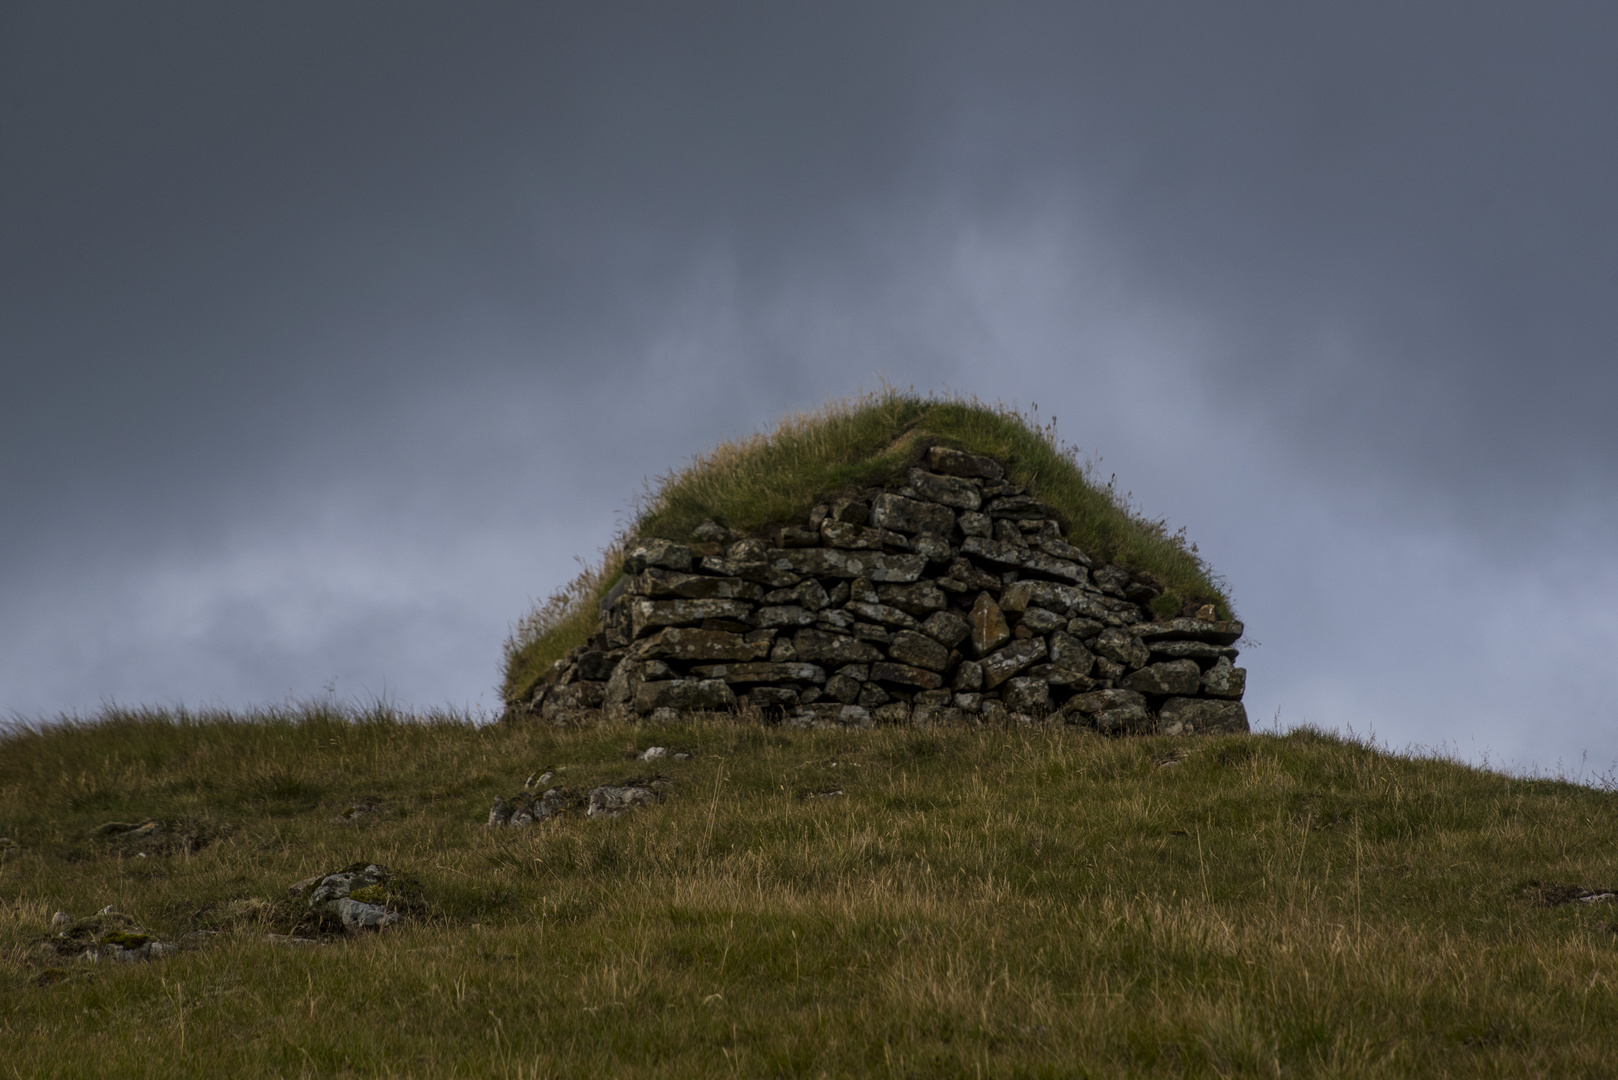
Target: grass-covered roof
775 477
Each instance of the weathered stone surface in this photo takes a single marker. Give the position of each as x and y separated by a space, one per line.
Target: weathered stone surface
1073 681
1223 680
844 534
881 613
1129 720
906 515
1027 694
1008 556
1021 595
950 491
1200 651
648 615
710 532
1085 629
574 697
1007 533
851 511
843 689
895 713
989 627
762 672
687 643
820 647
829 563
684 694
1214 633
1170 677
946 628
785 615
872 695
972 523
918 650
871 632
1002 665
1122 646
660 553
1188 716
657 582
969 676
822 715
608 800
1039 621
918 599
1100 700
1069 652
935 549
906 675
1020 507
1111 580
809 594
963 571
952 462
357 895
757 570
1061 549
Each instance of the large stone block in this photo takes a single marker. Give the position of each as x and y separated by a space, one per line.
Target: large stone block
1200 651
881 613
907 515
1008 556
946 628
835 650
684 694
1027 694
952 462
1069 652
690 643
1122 646
660 553
918 650
1170 677
659 583
791 672
1200 716
950 491
1019 596
832 563
917 599
1003 664
648 615
1224 680
1214 633
906 675
989 627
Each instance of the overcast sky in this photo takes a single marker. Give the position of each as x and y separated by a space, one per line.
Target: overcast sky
332 335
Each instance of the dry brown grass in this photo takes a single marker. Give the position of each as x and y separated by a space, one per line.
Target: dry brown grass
978 902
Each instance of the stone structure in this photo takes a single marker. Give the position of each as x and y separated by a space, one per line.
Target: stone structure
953 597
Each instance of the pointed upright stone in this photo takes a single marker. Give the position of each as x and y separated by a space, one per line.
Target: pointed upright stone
989 627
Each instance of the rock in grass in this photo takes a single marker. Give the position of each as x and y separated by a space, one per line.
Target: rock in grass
359 896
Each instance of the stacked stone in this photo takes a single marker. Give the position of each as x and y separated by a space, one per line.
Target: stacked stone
953 597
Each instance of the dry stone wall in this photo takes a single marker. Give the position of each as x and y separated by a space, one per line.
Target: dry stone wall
952 598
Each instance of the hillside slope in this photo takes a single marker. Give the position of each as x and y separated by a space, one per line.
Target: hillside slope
990 902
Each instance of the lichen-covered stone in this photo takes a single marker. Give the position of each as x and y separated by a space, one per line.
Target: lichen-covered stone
781 616
1017 507
658 583
761 672
660 553
1019 596
946 628
1214 633
1224 680
881 613
821 715
918 650
833 650
906 675
1003 664
1169 677
1027 694
1200 651
832 563
889 511
952 462
989 627
648 615
684 694
951 491
969 676
1122 646
1039 621
917 599
690 643
1197 716
1069 652
1009 556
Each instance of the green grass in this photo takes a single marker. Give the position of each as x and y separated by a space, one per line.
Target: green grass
996 902
776 477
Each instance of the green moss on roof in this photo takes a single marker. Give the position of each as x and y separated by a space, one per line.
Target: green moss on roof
776 477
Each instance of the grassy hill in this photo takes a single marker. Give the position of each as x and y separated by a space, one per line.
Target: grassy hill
964 902
776 477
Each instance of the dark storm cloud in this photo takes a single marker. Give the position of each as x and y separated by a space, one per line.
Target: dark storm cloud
330 333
